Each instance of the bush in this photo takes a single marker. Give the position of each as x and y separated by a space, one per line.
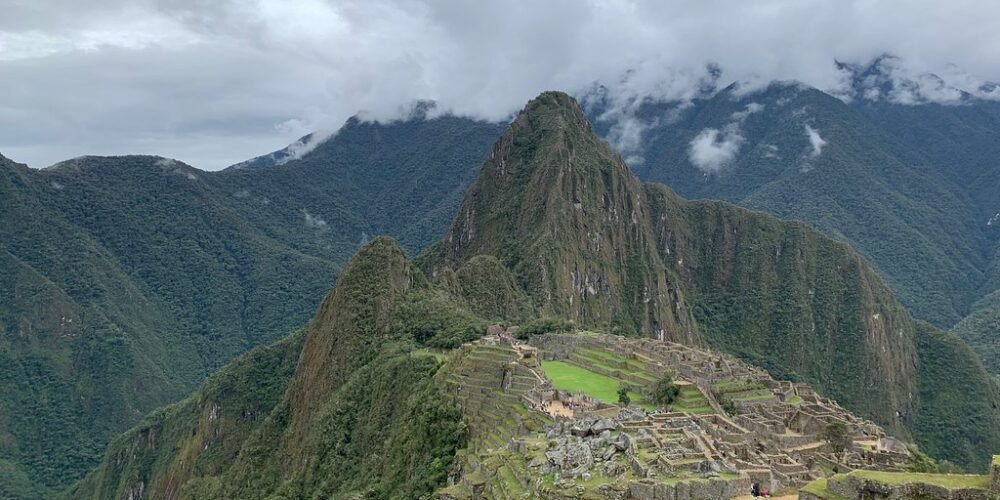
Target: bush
434 321
623 398
541 326
666 391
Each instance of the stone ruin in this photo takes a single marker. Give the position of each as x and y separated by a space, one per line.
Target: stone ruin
757 429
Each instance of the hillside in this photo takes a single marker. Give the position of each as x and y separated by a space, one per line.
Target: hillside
128 280
910 185
910 216
359 412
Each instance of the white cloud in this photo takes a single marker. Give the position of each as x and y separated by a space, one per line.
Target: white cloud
753 107
313 221
712 149
815 141
209 82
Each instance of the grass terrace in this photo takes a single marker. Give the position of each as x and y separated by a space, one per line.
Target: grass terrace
950 481
818 488
691 400
572 378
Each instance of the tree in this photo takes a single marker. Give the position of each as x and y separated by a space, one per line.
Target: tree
835 434
623 398
666 391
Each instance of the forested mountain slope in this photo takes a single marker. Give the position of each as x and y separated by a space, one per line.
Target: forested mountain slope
127 280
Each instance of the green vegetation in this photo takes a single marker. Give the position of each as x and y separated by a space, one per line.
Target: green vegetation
128 280
950 481
358 414
435 320
835 434
665 391
957 418
981 330
572 378
883 182
623 397
818 488
778 294
541 326
524 242
691 400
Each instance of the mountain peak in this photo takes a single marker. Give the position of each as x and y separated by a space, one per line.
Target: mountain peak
560 208
552 111
353 320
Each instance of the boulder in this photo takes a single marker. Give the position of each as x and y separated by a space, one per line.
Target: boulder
578 456
622 442
602 425
580 429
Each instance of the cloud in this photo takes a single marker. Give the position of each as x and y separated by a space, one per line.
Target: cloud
815 141
212 82
753 107
712 149
313 221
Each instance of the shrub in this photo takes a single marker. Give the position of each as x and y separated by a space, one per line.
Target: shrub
623 398
666 391
542 326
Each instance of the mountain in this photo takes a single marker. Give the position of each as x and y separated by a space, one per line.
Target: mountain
358 413
981 330
556 230
799 153
128 280
404 178
911 182
589 243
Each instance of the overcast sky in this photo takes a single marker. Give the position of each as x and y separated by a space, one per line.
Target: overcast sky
213 82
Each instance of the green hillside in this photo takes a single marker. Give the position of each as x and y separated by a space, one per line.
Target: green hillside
915 222
128 280
358 414
911 187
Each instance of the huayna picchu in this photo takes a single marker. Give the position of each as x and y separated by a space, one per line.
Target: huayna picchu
579 334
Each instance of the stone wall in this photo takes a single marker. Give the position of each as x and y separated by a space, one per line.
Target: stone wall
850 486
995 476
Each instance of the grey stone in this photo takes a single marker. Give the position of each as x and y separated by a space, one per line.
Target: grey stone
622 442
578 455
580 429
602 425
